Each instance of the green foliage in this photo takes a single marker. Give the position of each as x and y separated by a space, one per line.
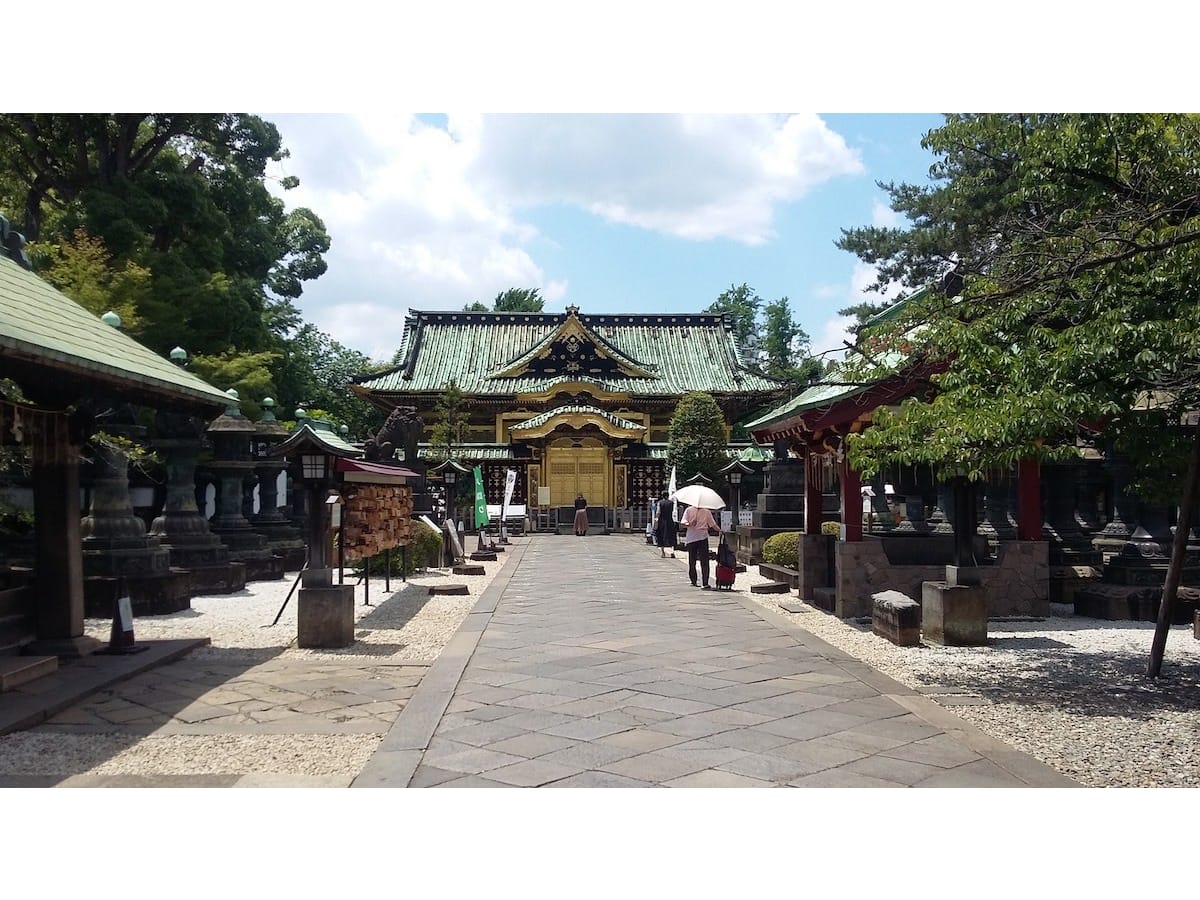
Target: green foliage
511 300
315 371
767 334
742 304
247 373
14 522
450 423
423 552
518 300
81 267
782 549
1072 306
696 440
205 255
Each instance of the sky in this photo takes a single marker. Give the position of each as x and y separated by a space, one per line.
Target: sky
614 213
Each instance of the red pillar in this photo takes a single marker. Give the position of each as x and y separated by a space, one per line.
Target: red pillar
1029 501
851 501
812 494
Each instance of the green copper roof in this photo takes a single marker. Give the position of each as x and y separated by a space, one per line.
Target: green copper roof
576 409
489 452
318 433
42 325
683 352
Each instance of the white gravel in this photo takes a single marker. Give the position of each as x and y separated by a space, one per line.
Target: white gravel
412 626
1070 691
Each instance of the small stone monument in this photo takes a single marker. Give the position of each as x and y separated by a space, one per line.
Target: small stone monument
897 617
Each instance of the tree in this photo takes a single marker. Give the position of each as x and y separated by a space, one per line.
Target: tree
518 300
82 269
1058 254
316 370
511 300
450 425
742 304
785 345
182 196
696 439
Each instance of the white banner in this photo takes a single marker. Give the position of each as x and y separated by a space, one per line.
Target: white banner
671 493
510 482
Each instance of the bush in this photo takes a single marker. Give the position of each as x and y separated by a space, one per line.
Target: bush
424 551
833 529
782 549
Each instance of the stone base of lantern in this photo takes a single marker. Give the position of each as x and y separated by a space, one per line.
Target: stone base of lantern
324 611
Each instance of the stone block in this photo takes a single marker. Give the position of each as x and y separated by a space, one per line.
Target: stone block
467 569
448 589
897 617
325 616
954 616
771 587
963 576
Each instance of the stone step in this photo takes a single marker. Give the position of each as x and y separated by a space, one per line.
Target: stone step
18 670
771 587
455 589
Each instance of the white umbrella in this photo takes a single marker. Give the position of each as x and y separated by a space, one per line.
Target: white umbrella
699 495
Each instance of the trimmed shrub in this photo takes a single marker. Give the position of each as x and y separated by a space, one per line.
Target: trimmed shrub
782 549
831 528
423 552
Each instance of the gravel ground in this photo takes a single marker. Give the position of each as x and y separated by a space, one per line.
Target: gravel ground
1068 690
410 627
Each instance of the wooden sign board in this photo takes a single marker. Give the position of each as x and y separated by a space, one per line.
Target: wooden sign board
454 541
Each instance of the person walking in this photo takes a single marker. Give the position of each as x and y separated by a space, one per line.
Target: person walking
664 527
700 524
581 523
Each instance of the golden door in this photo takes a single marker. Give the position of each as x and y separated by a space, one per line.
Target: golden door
573 470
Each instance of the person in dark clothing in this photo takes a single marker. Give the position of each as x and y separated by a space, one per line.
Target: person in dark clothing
664 526
581 525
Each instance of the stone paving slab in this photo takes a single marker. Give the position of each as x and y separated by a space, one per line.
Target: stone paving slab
595 664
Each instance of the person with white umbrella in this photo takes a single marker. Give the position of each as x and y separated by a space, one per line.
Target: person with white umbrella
699 521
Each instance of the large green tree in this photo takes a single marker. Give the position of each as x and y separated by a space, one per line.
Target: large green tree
1058 255
316 370
743 304
696 439
183 196
786 347
511 300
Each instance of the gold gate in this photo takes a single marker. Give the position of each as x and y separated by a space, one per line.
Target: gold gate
572 470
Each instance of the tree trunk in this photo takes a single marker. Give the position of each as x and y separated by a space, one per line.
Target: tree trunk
1175 567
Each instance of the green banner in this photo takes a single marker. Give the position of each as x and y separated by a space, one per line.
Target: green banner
481 513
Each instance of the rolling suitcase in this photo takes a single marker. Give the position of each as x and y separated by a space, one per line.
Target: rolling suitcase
726 563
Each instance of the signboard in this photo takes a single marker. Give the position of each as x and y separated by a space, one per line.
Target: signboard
543 495
455 543
510 482
481 513
726 520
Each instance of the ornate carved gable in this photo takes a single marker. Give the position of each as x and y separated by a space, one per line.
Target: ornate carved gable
574 351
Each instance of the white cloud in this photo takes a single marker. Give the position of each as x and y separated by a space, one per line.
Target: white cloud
883 216
428 214
835 332
694 177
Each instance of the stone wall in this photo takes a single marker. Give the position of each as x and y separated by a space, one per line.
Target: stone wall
1018 583
813 565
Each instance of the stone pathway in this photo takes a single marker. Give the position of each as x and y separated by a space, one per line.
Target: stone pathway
227 707
594 663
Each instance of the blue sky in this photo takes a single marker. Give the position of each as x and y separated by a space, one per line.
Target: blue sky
614 213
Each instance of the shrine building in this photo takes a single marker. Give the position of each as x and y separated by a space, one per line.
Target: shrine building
575 403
